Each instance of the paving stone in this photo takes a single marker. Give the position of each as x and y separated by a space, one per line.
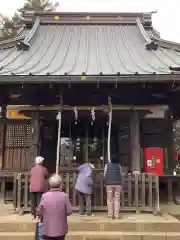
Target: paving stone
173 236
154 236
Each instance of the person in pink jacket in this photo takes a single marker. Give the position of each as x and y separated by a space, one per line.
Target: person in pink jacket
37 176
53 211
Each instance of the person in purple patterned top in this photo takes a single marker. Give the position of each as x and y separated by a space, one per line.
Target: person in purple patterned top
53 211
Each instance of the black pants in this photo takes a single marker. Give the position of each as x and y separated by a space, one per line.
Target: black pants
84 199
54 238
35 200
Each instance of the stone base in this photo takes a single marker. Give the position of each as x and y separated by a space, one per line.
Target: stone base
98 236
99 227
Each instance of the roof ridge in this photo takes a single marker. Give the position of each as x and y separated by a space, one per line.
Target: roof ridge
27 13
86 18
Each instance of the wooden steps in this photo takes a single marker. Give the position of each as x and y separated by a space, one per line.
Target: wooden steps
136 227
97 235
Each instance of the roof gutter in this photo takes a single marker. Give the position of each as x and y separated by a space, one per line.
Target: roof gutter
113 79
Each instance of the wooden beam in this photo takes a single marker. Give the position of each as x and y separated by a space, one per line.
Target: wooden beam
2 135
135 141
85 108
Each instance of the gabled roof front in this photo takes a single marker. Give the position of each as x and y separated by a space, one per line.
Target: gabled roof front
73 44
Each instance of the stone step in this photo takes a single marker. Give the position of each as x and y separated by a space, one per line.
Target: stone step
84 235
92 225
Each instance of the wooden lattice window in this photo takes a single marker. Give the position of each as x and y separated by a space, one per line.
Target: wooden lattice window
18 135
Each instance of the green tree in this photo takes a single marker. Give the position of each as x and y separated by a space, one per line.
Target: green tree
39 5
7 27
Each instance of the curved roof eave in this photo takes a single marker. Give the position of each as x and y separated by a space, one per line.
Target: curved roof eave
20 39
166 44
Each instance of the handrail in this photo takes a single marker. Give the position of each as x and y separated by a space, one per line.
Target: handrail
140 192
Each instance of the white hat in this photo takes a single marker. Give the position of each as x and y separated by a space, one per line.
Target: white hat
39 160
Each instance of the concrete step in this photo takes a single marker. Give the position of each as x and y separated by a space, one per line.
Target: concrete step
93 235
92 225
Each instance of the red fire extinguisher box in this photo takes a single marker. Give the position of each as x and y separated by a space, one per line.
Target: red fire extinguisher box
153 160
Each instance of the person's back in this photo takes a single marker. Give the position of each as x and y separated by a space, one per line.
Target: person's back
38 174
113 181
55 212
84 180
113 174
84 187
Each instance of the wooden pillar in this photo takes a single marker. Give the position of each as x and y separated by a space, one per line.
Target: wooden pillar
2 135
135 141
35 141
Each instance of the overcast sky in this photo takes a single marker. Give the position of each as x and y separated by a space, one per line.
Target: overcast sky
166 21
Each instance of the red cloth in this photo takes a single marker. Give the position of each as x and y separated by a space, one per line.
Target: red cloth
176 156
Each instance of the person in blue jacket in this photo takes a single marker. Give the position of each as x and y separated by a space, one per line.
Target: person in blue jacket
84 188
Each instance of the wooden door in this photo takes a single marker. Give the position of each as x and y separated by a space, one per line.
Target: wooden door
49 144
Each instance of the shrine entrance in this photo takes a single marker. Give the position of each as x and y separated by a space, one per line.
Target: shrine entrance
84 139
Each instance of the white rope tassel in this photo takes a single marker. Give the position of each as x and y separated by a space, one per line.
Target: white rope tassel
58 142
93 115
109 130
76 115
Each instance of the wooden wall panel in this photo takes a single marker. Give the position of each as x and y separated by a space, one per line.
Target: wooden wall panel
152 126
18 138
15 159
156 133
159 133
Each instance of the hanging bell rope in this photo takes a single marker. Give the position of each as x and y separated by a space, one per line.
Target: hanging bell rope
59 118
109 129
93 115
76 114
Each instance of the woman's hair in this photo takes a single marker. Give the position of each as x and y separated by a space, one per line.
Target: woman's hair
115 159
39 160
55 181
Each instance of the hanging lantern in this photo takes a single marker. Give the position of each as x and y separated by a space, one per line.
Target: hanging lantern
76 115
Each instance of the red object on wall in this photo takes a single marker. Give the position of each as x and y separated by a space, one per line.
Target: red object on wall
176 156
153 160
